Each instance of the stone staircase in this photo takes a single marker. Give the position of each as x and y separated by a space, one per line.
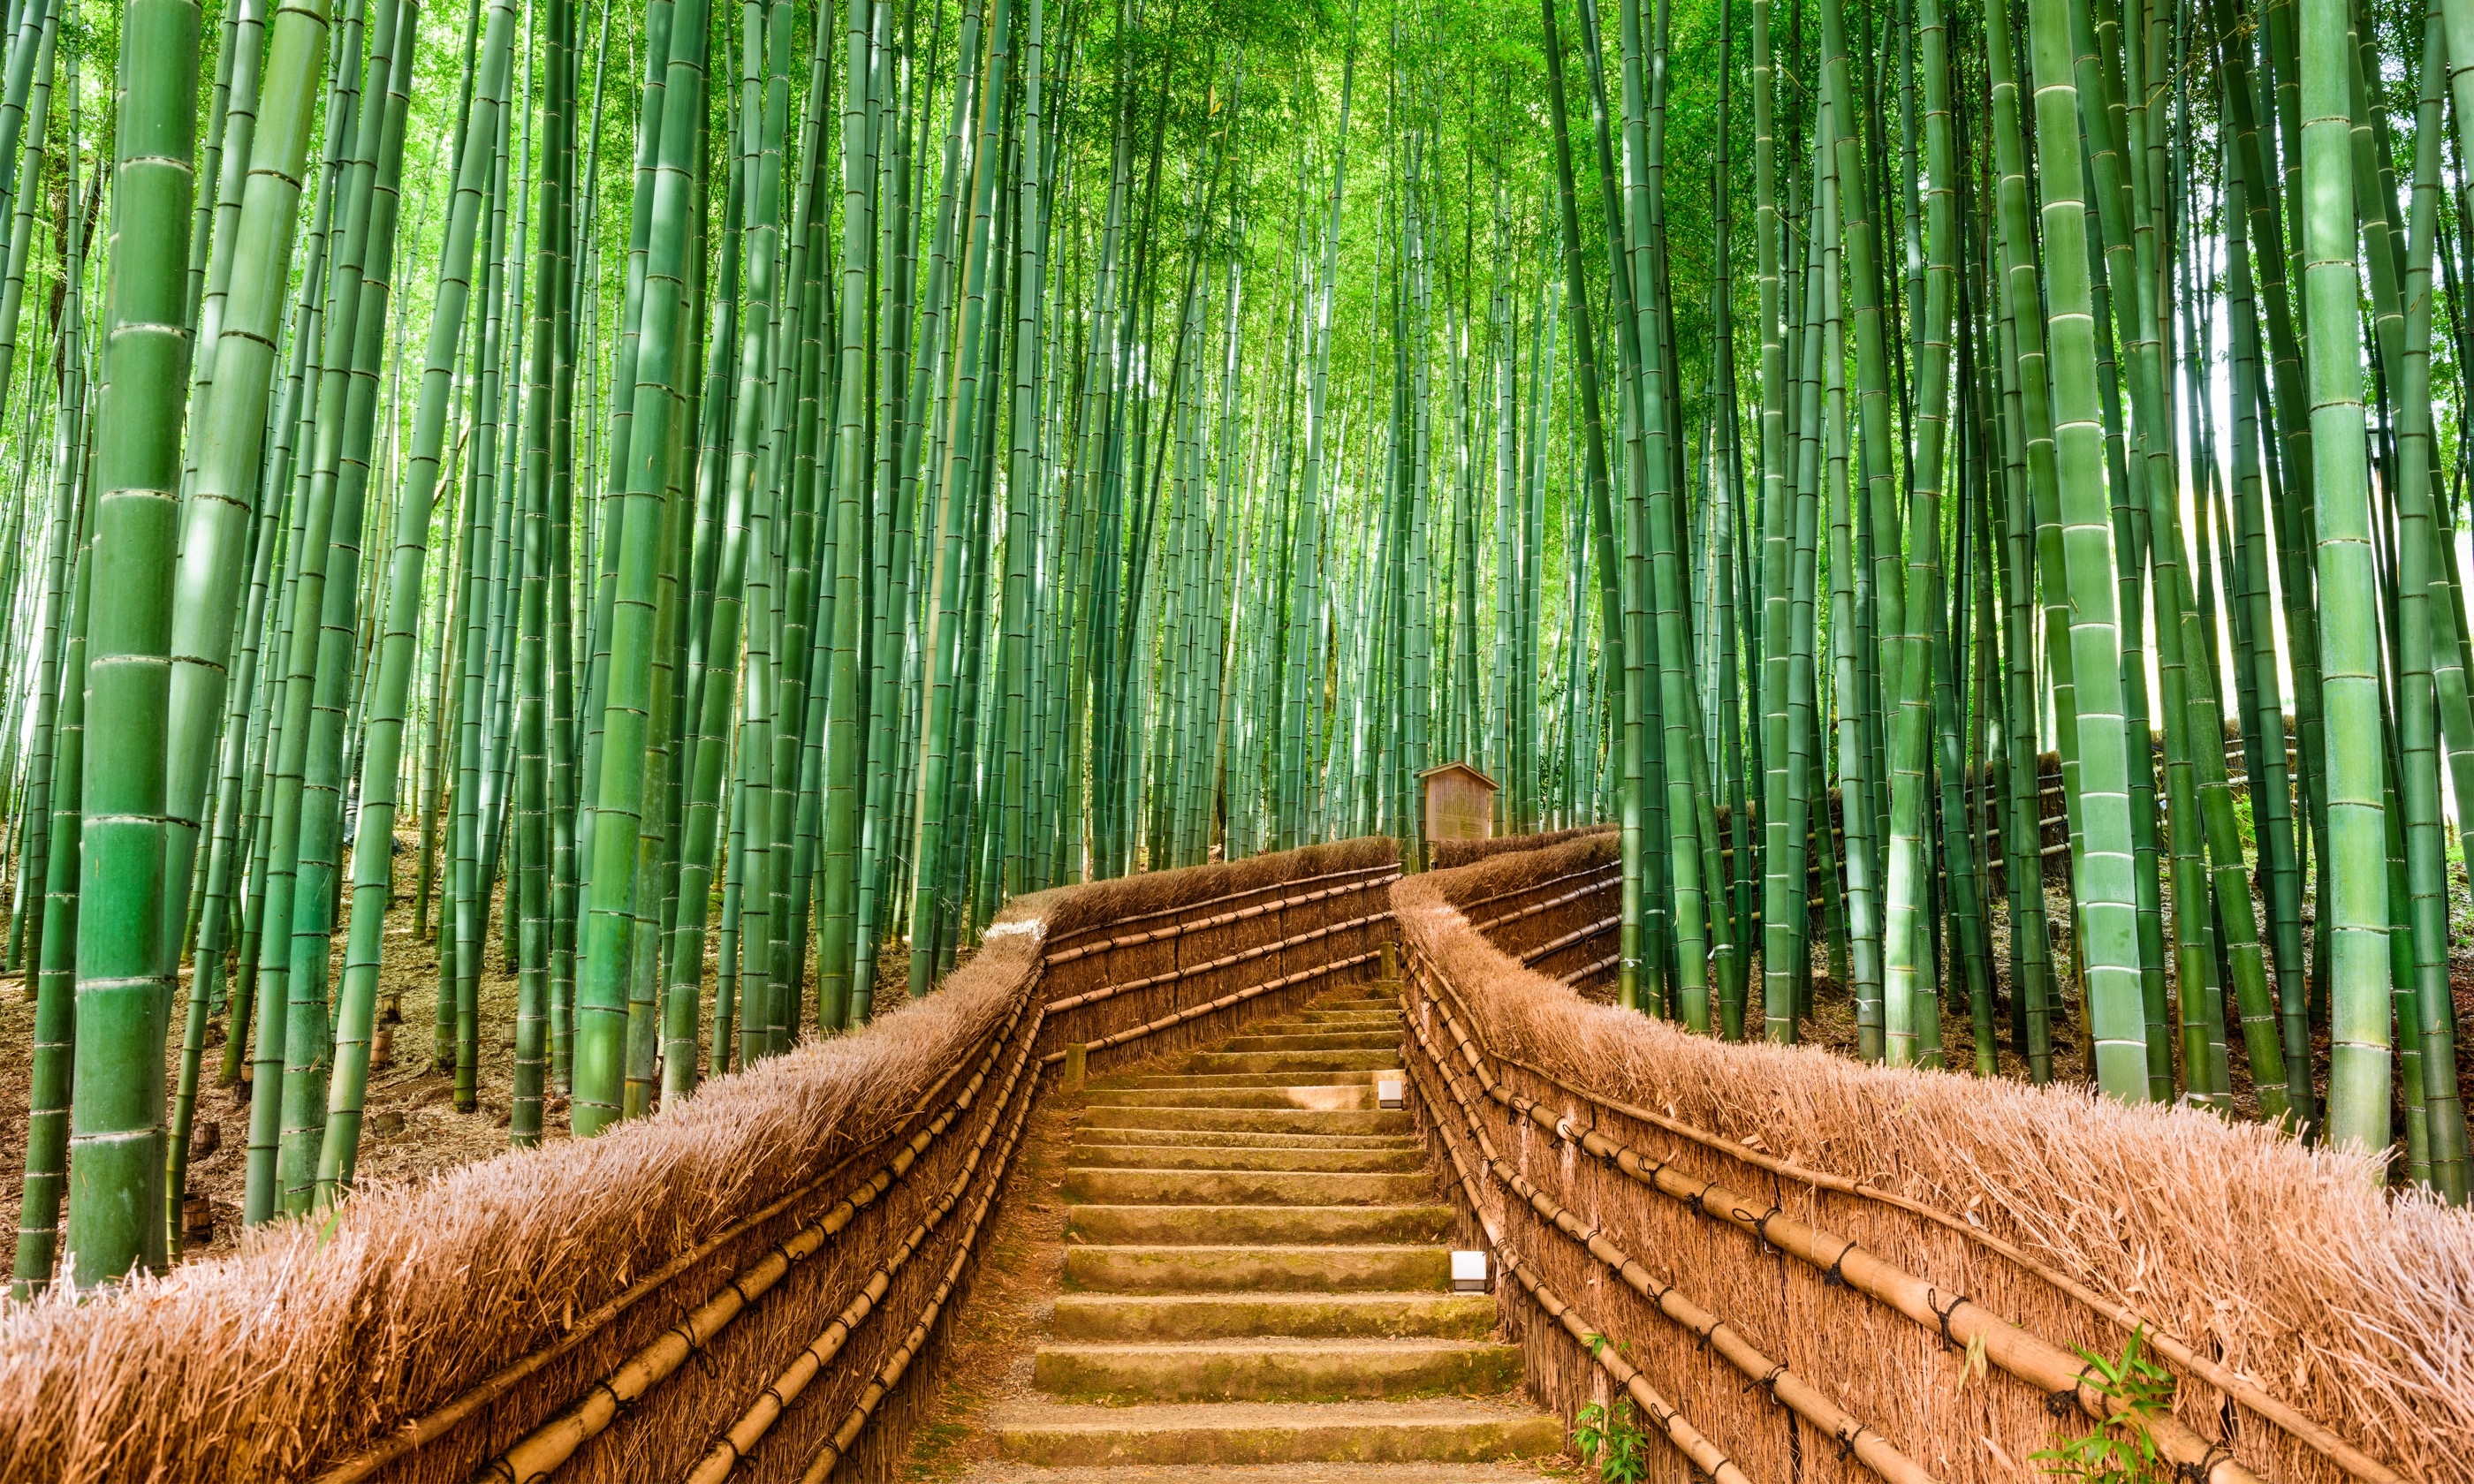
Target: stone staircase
1257 1283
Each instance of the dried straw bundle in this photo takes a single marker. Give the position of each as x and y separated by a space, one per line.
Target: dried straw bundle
318 1342
1447 855
2287 1264
317 1338
1176 913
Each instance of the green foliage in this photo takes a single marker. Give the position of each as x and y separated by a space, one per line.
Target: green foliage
2139 1389
1610 1442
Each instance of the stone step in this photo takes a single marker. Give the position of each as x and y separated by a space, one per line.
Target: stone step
1324 1014
1385 1057
1232 1139
1339 1025
1241 1188
1287 1370
1503 1471
1088 1154
1217 1316
1281 1119
1311 1096
1385 1037
1257 1268
1291 1226
1373 999
1444 1430
1191 1080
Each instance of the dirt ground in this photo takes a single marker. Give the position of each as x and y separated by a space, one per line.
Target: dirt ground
410 1126
1014 1286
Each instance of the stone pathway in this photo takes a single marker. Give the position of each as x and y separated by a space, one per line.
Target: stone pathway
1258 1285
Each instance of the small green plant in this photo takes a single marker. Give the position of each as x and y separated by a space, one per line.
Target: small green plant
2140 1389
1609 1441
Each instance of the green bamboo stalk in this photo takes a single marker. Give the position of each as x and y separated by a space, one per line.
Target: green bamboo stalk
2354 893
116 1155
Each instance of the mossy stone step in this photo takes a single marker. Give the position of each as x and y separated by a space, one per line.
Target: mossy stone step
1317 1472
1217 1316
1443 1430
1257 1268
1190 1081
1285 1370
1241 1188
1278 1119
1383 1058
1374 1039
1088 1154
1233 1138
1284 1225
1315 1098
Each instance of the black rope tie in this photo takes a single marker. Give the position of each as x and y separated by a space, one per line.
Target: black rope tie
2061 1402
1762 1228
1847 1441
1698 1197
1835 1276
2197 1473
1943 1314
1769 1383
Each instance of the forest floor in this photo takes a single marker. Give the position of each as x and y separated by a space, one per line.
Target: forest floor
411 1128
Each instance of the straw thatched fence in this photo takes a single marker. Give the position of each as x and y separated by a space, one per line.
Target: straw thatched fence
1805 1268
738 1285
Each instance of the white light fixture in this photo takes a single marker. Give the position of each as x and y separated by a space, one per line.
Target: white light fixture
1390 1092
1468 1272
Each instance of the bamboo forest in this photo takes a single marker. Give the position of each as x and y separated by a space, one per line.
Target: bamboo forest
688 511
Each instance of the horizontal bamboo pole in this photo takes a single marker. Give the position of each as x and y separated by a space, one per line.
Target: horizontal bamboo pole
1225 961
1791 1391
2024 1354
889 1376
1604 880
2318 1438
1057 956
465 1405
1578 935
1602 872
539 1453
1689 1441
1070 934
1590 970
792 1380
1233 998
